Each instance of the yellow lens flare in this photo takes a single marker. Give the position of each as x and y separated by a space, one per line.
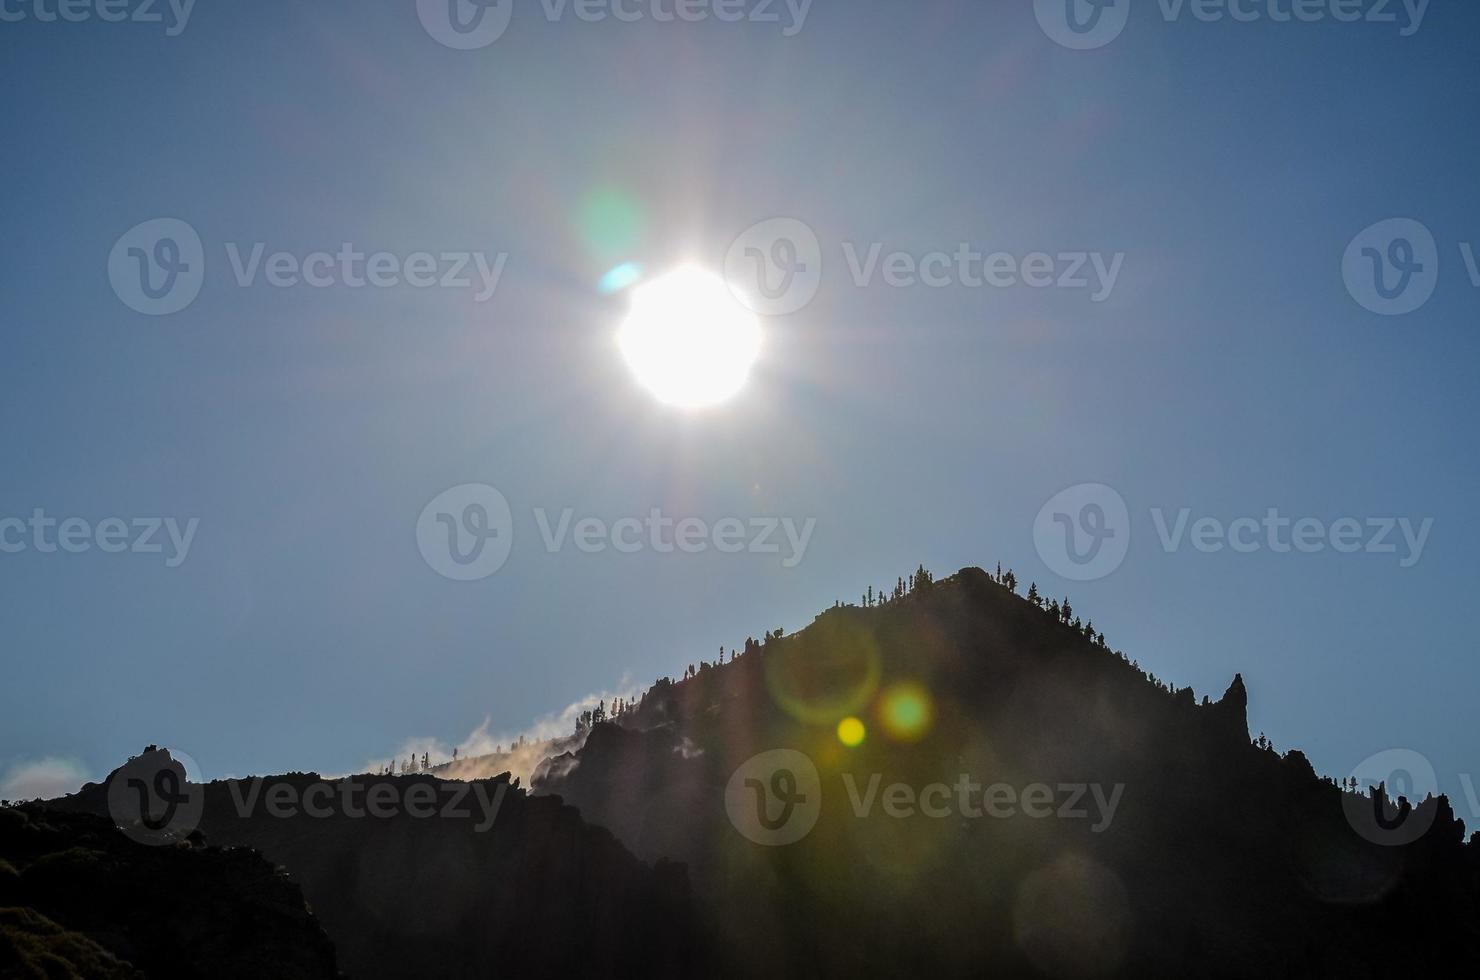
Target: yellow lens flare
906 712
851 732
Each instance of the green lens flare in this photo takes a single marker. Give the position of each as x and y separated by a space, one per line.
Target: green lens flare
906 712
611 222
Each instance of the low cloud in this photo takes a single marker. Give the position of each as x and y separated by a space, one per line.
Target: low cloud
44 779
549 735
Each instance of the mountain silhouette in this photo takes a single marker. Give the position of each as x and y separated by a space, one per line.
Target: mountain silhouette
969 783
1223 859
456 892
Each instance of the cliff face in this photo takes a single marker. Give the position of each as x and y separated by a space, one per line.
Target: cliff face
81 899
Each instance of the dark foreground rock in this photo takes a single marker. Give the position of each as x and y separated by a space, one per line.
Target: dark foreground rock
415 876
80 899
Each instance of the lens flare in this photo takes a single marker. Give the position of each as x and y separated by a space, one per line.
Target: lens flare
620 277
851 732
830 672
611 221
906 712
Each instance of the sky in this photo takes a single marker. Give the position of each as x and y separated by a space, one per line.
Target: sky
1224 359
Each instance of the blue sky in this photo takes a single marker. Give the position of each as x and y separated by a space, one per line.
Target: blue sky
1229 371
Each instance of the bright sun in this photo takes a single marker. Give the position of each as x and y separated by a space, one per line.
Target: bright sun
688 340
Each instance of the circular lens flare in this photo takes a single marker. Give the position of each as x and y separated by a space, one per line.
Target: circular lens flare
851 732
906 712
611 221
830 672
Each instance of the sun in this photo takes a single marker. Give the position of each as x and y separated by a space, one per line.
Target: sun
688 340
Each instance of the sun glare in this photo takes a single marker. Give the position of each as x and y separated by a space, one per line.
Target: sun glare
688 340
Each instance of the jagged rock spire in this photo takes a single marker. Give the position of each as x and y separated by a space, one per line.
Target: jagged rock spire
1233 708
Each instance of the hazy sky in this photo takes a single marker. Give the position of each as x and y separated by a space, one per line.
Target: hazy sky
1226 368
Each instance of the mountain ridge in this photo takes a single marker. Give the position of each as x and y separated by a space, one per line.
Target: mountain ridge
1019 696
1134 830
